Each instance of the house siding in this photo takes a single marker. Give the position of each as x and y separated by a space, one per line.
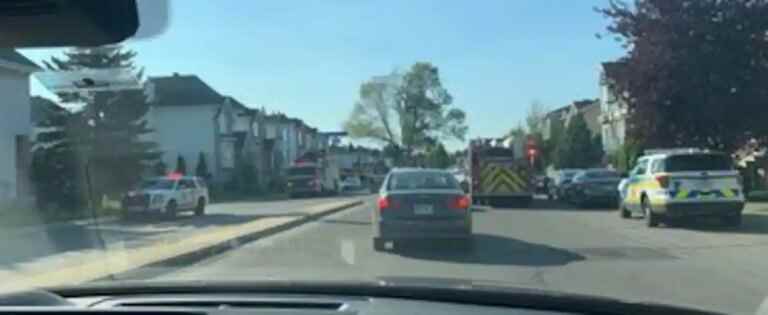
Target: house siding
185 131
15 113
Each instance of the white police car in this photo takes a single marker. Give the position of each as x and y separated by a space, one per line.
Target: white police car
168 196
683 183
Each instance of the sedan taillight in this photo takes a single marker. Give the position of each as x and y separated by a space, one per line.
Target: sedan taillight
460 202
383 203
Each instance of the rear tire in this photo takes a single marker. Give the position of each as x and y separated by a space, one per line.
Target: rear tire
466 244
171 208
623 212
200 209
379 244
651 219
733 220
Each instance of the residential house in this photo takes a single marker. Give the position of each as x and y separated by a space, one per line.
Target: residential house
613 117
15 128
188 117
561 117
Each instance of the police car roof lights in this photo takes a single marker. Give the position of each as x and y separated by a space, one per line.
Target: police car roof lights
675 151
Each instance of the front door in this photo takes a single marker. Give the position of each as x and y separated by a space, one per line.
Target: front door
186 194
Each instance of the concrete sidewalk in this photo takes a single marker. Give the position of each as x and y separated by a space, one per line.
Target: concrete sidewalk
207 235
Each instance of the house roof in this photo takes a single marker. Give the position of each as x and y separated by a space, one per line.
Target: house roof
584 103
13 57
183 90
41 107
558 111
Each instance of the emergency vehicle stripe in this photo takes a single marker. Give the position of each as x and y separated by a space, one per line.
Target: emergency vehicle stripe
505 178
694 194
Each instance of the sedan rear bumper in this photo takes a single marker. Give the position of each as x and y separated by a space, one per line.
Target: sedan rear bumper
432 229
699 209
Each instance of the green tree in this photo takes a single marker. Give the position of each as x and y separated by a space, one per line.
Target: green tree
202 167
695 70
534 119
407 111
106 129
181 165
160 169
437 157
55 163
578 148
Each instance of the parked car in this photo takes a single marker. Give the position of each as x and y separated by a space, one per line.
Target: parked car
417 204
351 183
559 184
167 196
680 184
542 184
594 186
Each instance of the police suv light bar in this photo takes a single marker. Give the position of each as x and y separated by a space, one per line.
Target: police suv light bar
674 150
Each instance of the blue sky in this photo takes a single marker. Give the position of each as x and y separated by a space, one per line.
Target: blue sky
308 58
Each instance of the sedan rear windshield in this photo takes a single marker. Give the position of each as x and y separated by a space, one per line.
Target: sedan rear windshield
422 180
301 171
602 174
157 184
698 162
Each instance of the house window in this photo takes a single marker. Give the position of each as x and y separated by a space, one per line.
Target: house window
255 128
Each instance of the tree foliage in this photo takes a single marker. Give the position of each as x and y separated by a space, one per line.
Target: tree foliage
437 157
578 147
105 130
55 162
202 167
695 70
181 165
408 111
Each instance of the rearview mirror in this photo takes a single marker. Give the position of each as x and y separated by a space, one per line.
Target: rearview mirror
78 23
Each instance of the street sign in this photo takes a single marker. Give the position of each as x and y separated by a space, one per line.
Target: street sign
89 80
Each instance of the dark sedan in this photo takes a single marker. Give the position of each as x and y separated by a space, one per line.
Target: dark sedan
422 204
594 186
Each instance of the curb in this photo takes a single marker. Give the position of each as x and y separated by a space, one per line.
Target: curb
156 268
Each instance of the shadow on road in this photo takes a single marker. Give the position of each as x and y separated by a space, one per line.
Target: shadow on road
557 205
751 223
214 219
349 222
491 250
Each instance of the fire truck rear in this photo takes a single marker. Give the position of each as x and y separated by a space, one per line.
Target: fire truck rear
500 173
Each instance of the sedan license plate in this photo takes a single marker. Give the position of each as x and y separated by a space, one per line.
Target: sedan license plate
423 209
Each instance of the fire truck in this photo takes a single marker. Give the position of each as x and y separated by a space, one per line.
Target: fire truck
500 172
313 174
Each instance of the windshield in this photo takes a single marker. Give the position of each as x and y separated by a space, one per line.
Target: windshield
324 138
702 162
601 174
157 184
302 171
422 180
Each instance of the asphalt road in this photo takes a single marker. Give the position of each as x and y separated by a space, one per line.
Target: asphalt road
550 246
43 244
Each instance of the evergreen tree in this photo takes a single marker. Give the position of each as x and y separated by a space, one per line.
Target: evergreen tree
438 157
106 131
202 167
181 165
578 149
54 169
160 169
